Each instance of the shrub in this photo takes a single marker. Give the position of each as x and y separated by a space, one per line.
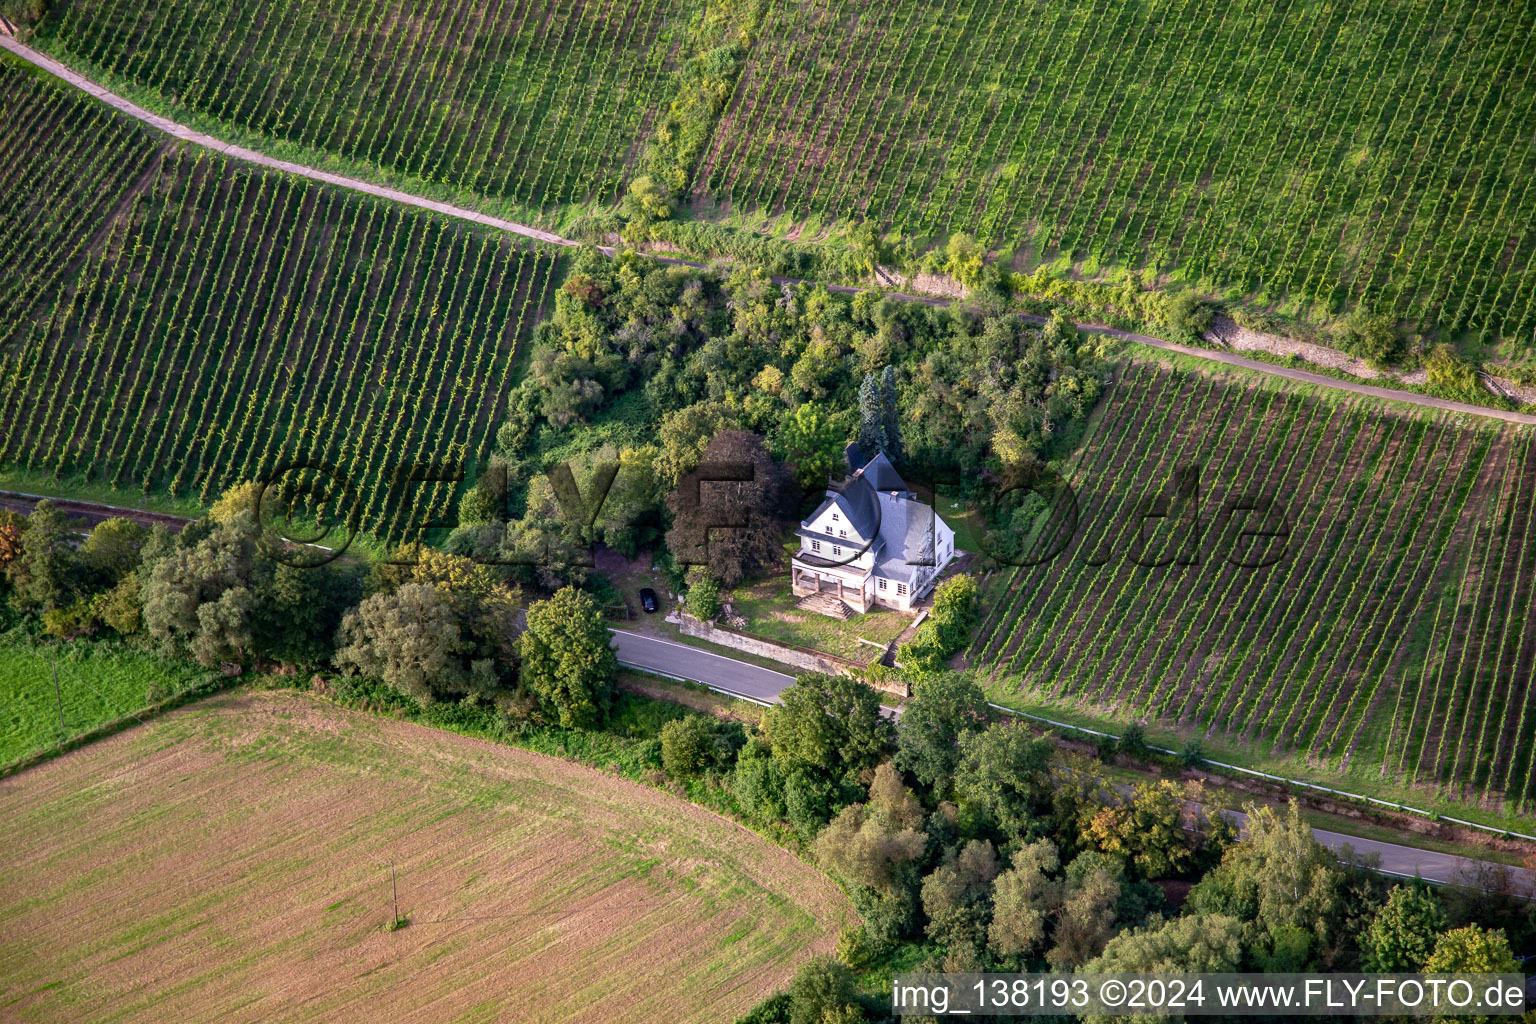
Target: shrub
1184 313
855 948
1452 376
704 599
1370 336
687 746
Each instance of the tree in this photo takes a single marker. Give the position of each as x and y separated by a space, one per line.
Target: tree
647 200
1281 878
688 746
1147 833
757 780
731 526
409 639
866 247
828 724
891 413
200 597
1370 336
113 550
867 850
45 575
964 259
1471 950
485 609
567 658
942 708
1186 314
822 992
241 499
891 802
879 417
1088 911
12 525
1005 773
704 598
685 434
1023 899
1195 943
957 897
1403 934
954 610
301 609
812 441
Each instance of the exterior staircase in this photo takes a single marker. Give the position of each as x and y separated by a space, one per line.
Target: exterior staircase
825 604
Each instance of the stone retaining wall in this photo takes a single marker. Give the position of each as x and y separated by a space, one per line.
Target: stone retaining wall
802 658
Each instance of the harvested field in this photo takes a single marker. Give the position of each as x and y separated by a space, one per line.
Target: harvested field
230 862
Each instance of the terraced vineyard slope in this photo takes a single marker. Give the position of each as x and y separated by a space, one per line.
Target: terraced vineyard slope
1295 149
1301 154
219 323
541 103
1292 572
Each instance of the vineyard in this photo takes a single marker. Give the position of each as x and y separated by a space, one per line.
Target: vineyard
537 103
220 323
1307 156
1305 576
1297 150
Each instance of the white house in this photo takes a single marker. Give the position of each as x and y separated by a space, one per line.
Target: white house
871 542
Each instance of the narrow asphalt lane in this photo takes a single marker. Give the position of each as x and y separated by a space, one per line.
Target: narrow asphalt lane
679 661
737 678
1408 861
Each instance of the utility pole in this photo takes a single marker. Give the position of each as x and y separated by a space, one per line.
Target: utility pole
58 696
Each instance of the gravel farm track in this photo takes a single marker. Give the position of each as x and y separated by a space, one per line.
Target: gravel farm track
197 138
231 861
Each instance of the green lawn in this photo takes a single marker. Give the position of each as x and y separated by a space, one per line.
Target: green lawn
96 684
770 611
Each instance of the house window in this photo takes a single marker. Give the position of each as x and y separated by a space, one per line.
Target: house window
836 550
815 545
882 584
834 517
829 530
901 588
842 533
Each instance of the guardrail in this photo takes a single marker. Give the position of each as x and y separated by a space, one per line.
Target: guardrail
1301 783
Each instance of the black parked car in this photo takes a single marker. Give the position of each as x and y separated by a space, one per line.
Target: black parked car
648 599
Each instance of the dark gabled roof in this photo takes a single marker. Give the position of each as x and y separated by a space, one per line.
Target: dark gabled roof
863 499
858 505
853 455
882 476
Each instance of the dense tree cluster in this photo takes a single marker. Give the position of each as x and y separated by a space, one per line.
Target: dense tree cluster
633 345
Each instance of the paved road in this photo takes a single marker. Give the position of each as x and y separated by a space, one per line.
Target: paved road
680 661
761 685
1426 864
186 134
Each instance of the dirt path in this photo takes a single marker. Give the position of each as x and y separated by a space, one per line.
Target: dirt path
197 138
94 513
